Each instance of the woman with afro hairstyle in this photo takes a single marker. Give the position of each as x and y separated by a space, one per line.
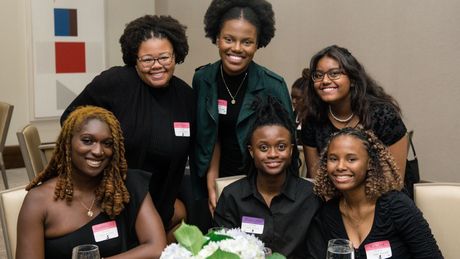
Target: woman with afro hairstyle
156 110
341 94
359 176
86 187
273 193
226 89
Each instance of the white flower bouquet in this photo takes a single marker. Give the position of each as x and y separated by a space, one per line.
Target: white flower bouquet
218 244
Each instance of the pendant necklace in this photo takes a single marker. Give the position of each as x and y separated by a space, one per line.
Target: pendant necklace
338 119
233 101
90 211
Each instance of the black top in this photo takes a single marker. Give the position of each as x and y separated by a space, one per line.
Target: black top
231 159
396 219
387 126
61 247
147 116
286 221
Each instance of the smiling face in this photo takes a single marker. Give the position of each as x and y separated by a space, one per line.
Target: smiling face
347 163
155 75
271 149
237 43
91 148
332 91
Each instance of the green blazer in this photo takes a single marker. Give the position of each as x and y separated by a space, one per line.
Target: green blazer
261 82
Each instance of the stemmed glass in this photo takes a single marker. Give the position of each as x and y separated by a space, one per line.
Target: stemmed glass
86 252
340 249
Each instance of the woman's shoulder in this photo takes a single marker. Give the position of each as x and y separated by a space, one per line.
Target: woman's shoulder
205 69
267 72
181 85
395 203
39 197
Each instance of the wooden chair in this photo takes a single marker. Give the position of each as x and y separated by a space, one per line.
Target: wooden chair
440 205
29 142
10 205
6 112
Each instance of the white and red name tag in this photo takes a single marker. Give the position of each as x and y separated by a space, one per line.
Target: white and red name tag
222 106
182 129
105 231
252 225
378 250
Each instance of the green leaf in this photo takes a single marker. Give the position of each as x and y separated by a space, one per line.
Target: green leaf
216 237
276 256
190 237
221 254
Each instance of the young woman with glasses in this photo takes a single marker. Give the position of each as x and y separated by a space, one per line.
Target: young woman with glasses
341 94
156 110
226 89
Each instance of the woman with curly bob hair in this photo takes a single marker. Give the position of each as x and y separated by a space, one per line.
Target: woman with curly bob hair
156 109
226 89
358 175
86 195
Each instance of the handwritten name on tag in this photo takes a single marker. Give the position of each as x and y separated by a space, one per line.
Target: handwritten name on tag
182 129
378 250
105 231
222 106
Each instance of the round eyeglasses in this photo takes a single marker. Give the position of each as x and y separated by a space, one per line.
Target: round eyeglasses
149 61
332 74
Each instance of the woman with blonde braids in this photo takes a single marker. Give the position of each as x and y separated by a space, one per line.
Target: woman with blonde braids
86 195
358 175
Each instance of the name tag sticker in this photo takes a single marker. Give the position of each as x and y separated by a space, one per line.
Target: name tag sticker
222 106
378 250
105 231
252 225
182 129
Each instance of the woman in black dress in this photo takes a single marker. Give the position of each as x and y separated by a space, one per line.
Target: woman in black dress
156 110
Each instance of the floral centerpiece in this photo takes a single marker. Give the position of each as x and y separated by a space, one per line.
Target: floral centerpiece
217 244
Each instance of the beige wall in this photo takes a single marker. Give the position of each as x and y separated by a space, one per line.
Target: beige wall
411 47
15 47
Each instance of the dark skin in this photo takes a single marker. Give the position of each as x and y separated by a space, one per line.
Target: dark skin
42 216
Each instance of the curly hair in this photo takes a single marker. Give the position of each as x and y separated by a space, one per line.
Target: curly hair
365 92
271 112
258 12
153 26
382 174
111 192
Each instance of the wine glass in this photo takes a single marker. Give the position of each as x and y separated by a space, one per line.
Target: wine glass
267 251
86 252
340 249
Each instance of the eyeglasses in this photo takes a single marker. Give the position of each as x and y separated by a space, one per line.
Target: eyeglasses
333 74
149 61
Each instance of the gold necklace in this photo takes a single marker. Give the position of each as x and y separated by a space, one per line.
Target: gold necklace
233 101
90 211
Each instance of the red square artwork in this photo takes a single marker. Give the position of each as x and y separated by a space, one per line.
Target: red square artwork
70 57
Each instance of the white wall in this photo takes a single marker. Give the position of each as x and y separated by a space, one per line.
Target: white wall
411 47
15 45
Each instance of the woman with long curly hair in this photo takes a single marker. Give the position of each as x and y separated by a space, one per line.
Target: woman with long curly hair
226 89
358 175
340 94
155 108
86 195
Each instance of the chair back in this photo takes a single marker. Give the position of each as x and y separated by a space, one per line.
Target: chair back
10 205
224 181
6 112
29 142
440 205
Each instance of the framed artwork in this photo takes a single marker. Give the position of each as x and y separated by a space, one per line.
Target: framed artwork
67 52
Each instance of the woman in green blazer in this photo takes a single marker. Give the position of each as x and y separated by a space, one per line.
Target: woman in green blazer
226 89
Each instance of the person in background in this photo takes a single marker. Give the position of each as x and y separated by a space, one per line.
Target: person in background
341 94
297 96
86 189
359 176
273 202
226 89
156 109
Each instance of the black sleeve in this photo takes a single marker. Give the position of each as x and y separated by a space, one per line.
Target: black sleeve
388 125
316 239
412 227
307 135
226 211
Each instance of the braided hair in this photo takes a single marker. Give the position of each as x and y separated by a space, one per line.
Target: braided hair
382 174
270 112
111 193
